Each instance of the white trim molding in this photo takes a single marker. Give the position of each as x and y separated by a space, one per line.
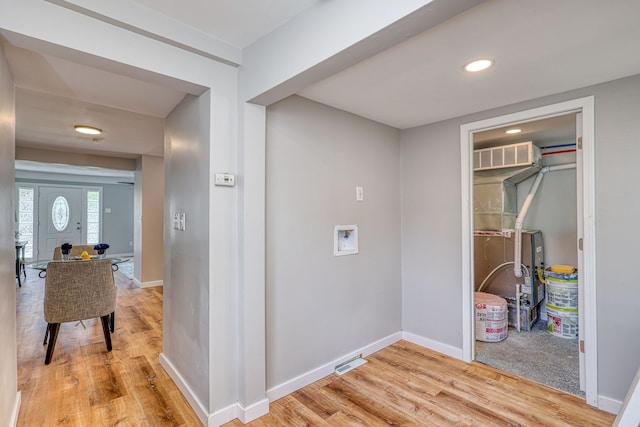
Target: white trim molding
186 391
430 344
253 411
148 284
609 405
13 420
588 275
222 416
320 372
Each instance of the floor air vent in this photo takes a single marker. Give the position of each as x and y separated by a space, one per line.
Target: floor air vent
349 365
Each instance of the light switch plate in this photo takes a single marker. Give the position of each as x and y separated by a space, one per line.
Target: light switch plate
176 221
183 221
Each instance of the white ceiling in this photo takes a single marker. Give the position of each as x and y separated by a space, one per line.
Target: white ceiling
540 47
237 22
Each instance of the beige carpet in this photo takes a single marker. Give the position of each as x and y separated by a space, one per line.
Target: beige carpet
537 355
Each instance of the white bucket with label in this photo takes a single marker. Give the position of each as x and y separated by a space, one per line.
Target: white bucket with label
491 317
562 322
562 293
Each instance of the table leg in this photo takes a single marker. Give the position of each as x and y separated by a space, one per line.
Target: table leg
18 266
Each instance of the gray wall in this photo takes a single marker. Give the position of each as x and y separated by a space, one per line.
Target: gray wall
117 226
186 253
432 299
321 307
8 364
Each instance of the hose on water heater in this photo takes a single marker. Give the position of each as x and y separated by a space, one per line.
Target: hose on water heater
492 272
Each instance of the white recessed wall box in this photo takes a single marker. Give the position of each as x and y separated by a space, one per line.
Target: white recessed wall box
345 240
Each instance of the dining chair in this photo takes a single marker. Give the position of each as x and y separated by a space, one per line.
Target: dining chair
75 291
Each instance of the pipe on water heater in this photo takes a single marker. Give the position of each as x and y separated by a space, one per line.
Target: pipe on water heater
517 245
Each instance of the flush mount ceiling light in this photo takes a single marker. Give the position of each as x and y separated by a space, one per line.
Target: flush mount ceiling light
89 130
478 65
513 131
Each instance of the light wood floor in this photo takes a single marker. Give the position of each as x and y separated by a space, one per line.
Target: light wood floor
402 385
86 386
407 385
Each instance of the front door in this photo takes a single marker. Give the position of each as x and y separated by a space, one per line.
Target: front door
60 219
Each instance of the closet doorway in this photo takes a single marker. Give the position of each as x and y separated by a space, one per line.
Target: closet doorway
582 109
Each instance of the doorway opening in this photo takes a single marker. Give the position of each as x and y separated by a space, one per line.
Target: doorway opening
537 223
49 215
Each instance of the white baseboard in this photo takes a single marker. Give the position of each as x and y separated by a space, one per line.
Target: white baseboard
316 374
253 411
223 416
608 404
188 394
234 411
446 349
148 284
13 421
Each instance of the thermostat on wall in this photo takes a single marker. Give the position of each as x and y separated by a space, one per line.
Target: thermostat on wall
225 179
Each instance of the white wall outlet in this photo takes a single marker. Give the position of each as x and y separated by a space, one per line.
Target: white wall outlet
359 194
225 179
107 210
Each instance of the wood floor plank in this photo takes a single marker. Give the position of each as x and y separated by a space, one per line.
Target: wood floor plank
322 405
415 397
291 413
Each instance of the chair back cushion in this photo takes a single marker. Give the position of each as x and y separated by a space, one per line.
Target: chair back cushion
77 290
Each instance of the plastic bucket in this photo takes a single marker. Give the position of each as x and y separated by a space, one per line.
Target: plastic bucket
491 317
562 322
562 293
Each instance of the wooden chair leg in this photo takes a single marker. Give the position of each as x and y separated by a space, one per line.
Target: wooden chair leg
53 328
112 324
105 329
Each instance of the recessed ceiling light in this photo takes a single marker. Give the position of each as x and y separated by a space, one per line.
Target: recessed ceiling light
89 130
478 65
513 131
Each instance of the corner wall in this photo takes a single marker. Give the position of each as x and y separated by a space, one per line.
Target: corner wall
321 307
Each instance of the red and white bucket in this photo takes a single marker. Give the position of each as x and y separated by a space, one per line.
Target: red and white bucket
491 316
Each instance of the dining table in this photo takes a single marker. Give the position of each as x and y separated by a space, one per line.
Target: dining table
42 265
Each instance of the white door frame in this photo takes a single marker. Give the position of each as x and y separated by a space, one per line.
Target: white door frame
588 233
